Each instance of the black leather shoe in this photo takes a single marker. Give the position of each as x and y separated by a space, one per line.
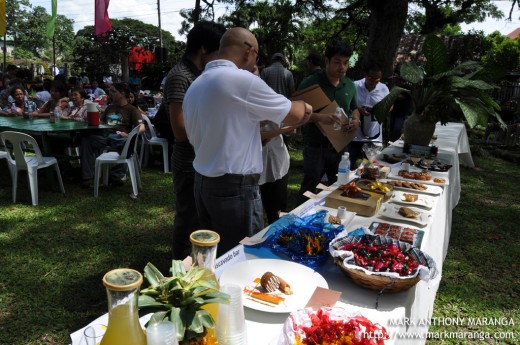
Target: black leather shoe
87 183
115 182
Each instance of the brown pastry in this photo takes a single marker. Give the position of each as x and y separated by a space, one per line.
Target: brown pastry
439 180
271 282
410 197
407 213
266 297
334 220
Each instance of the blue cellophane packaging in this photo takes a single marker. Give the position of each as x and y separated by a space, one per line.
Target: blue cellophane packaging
304 240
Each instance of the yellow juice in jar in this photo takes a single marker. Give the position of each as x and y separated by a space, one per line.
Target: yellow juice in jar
212 308
123 328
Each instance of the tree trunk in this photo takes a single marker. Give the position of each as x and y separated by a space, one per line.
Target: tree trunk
124 68
387 20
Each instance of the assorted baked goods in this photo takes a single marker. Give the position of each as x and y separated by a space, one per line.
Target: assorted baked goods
406 184
271 282
398 232
423 175
408 212
439 180
410 197
270 288
334 220
263 296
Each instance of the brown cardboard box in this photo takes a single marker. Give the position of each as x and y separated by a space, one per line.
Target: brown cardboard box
312 95
362 207
338 138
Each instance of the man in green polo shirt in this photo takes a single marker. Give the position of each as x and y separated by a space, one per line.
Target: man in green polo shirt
319 157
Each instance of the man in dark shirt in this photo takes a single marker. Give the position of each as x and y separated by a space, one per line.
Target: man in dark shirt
201 47
123 117
319 156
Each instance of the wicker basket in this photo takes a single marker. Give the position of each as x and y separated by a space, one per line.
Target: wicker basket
377 282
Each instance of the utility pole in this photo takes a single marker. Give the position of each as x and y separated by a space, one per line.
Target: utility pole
160 29
4 49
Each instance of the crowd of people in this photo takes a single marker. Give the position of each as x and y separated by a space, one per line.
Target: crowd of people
232 122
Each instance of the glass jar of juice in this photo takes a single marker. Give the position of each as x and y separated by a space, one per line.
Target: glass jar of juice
122 286
204 254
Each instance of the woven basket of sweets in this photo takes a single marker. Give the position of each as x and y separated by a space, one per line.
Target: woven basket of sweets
381 263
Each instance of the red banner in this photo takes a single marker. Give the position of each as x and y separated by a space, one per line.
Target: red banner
101 22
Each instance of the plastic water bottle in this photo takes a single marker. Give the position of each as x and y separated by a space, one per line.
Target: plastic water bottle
339 114
56 114
344 169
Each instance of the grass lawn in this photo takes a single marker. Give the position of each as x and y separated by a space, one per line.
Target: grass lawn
52 257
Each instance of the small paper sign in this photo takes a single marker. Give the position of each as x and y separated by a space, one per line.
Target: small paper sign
230 258
323 298
311 195
249 241
323 187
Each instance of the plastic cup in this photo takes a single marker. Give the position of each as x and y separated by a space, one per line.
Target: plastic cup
342 212
161 333
93 334
231 325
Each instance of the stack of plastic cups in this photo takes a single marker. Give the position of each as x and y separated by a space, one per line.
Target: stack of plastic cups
231 326
161 333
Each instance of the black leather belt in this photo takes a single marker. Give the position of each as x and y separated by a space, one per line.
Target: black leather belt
251 179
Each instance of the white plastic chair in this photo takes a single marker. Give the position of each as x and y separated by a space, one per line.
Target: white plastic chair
128 156
17 161
154 140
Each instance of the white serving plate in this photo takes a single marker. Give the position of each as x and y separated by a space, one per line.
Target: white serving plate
392 211
332 211
394 174
422 201
430 189
302 279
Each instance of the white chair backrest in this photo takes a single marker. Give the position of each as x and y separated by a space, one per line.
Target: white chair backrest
130 146
150 126
19 142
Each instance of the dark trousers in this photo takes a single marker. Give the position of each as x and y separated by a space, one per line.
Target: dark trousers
316 162
186 219
230 205
89 149
274 198
355 150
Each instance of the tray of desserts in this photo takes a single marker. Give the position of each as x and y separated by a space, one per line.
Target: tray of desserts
420 175
414 186
413 199
273 286
414 215
402 233
433 165
336 217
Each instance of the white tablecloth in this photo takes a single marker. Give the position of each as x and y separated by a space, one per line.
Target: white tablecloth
454 137
397 312
394 310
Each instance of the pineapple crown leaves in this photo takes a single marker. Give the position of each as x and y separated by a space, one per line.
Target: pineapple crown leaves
181 297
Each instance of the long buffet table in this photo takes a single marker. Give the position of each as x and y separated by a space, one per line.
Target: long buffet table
406 315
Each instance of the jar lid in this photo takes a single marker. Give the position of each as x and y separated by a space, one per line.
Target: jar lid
122 279
204 238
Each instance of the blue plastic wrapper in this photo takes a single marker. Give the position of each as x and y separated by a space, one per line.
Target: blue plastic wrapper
304 240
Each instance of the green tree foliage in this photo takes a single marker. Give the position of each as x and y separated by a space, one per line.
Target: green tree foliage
16 11
276 25
503 51
29 26
96 56
432 16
